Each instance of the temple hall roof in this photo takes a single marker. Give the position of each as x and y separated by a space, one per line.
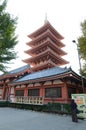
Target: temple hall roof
15 72
18 70
44 74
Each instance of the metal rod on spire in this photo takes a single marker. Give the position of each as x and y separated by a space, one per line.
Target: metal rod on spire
45 21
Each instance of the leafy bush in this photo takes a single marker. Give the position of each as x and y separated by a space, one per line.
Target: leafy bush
60 108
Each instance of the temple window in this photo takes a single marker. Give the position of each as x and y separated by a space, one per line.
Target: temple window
33 92
71 91
19 92
55 92
80 91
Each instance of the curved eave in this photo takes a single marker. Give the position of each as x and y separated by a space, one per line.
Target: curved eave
44 44
46 26
55 32
68 74
13 75
45 53
45 65
47 34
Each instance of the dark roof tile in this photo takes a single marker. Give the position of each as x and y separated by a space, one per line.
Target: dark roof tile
19 69
44 73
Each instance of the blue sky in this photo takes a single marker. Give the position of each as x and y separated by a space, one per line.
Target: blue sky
64 15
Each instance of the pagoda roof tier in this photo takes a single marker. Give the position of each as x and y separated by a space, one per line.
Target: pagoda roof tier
45 65
42 29
45 54
43 36
45 44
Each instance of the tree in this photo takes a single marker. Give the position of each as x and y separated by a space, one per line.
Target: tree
82 46
8 39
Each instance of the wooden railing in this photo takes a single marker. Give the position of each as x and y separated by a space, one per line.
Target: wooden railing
29 100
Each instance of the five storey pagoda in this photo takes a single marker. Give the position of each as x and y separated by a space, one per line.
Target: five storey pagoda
46 48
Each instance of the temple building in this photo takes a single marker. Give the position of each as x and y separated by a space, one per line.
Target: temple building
43 79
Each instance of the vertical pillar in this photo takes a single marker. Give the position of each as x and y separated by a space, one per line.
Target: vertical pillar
4 89
9 91
12 93
41 92
65 92
26 91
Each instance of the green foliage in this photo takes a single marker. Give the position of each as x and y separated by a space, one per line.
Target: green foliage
60 108
3 103
84 70
82 46
8 39
83 28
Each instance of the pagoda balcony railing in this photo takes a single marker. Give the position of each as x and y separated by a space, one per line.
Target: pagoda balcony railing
49 33
41 36
44 64
29 100
44 44
43 54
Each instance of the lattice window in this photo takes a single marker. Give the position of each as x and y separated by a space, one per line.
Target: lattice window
54 92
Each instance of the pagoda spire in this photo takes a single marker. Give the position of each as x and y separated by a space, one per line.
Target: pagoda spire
45 21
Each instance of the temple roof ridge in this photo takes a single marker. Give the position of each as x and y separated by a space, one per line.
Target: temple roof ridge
44 73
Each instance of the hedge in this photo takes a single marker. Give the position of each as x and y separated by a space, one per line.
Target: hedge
60 108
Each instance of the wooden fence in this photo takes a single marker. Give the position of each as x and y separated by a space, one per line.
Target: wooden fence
29 100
